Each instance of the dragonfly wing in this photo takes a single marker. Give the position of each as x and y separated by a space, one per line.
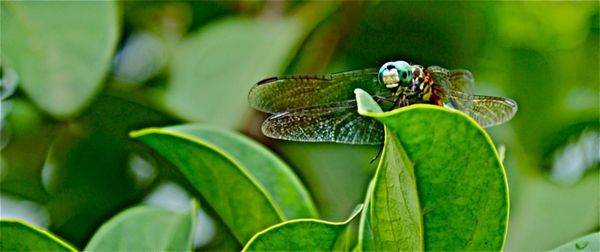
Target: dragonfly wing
279 94
452 81
489 111
338 122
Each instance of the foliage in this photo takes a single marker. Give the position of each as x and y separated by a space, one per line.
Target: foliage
78 77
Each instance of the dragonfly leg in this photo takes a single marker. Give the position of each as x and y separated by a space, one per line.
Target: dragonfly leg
377 155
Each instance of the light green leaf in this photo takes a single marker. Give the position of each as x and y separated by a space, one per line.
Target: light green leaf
589 242
460 181
61 50
303 235
146 228
247 185
20 236
220 63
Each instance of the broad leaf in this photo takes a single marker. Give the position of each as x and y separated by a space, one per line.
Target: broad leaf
20 236
230 171
303 235
146 228
461 184
219 63
60 50
589 242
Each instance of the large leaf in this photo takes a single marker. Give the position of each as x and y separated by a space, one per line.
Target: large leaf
303 235
460 181
20 236
247 185
589 242
219 63
146 228
61 50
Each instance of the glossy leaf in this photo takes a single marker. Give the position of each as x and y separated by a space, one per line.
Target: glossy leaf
145 228
20 236
589 242
460 181
219 63
230 171
60 50
303 235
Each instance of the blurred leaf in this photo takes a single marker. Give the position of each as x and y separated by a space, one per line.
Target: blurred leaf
213 69
146 228
20 236
539 220
453 160
61 50
230 171
589 242
303 234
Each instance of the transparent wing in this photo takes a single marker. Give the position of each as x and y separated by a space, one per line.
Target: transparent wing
338 122
490 111
456 83
278 94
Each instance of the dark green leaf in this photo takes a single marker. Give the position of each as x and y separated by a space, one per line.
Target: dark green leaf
146 228
230 171
20 236
303 235
60 50
460 181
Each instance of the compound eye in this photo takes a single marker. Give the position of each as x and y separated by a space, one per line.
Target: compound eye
404 72
389 76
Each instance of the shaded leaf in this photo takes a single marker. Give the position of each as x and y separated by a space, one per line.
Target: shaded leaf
145 228
460 181
303 235
20 236
229 171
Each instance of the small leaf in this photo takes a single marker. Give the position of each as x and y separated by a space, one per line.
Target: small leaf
145 228
589 242
247 185
219 63
460 181
303 235
60 50
392 219
20 236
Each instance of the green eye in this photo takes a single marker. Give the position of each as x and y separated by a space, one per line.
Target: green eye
393 74
404 72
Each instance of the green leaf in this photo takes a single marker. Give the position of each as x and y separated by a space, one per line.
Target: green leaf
303 235
247 185
589 242
460 181
20 236
392 220
219 63
61 50
146 228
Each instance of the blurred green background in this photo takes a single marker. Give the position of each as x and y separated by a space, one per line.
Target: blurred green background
68 164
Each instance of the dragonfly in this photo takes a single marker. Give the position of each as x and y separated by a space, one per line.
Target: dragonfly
322 108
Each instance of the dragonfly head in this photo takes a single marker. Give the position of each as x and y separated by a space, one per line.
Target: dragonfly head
394 74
